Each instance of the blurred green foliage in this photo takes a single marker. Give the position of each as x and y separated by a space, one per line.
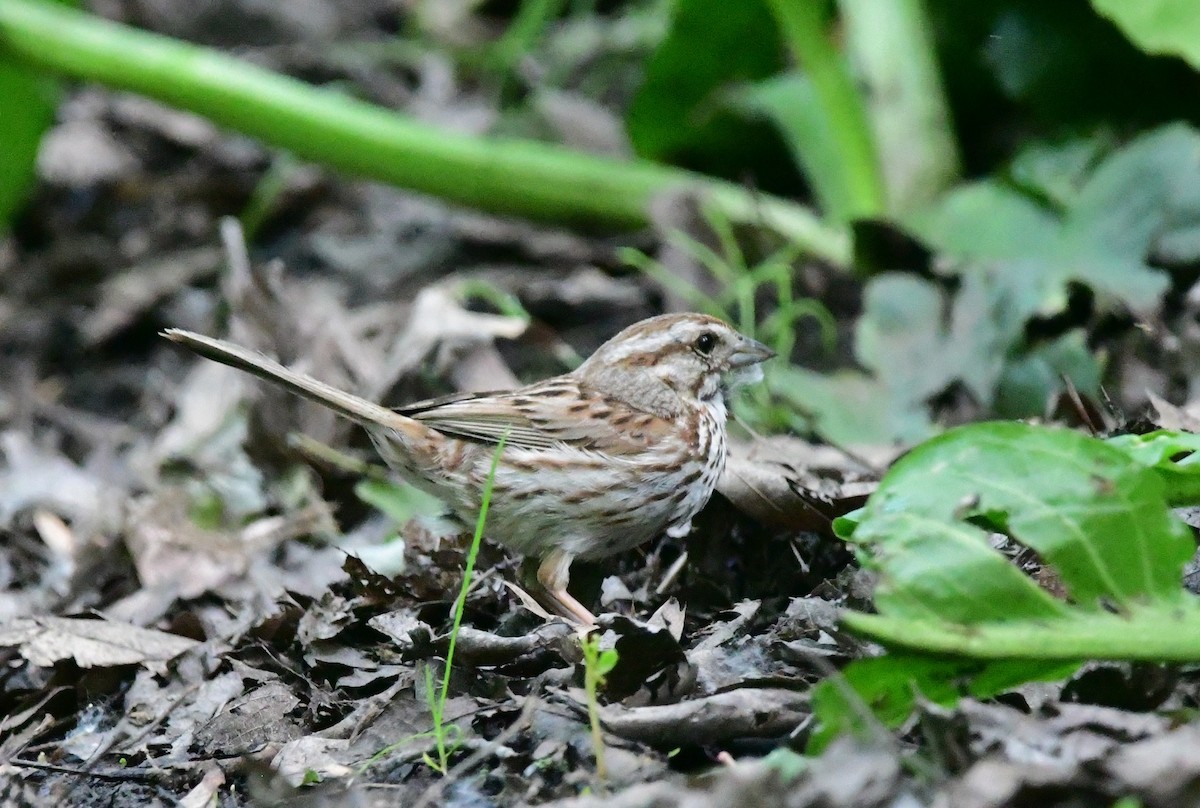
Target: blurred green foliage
29 102
1039 154
1083 171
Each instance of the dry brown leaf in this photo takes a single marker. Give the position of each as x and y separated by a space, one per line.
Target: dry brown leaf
438 323
91 643
139 288
171 551
37 476
787 482
207 792
1186 418
299 759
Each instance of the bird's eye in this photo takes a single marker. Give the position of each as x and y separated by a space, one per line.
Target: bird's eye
706 342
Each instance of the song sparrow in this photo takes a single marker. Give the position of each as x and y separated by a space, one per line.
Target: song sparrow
596 461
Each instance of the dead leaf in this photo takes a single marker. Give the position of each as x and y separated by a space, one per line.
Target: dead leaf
173 552
139 288
252 720
739 713
34 476
786 482
1171 417
438 323
91 643
205 794
325 757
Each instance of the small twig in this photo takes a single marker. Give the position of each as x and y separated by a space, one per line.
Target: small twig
314 449
1077 404
122 775
672 573
234 242
134 740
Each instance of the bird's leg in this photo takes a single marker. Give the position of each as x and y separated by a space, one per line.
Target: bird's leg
553 574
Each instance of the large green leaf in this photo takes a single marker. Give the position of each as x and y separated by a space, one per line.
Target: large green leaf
1096 516
883 689
1074 218
1031 376
1158 26
1174 456
1095 513
1142 198
850 408
681 112
917 341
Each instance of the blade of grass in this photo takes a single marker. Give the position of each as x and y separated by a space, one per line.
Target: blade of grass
802 26
527 178
460 604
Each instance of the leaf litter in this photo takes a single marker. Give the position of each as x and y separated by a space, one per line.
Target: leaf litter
184 613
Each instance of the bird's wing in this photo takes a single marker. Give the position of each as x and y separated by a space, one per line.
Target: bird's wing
542 416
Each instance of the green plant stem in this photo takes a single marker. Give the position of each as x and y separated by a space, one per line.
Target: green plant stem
537 180
591 683
1161 633
891 45
460 604
802 25
527 25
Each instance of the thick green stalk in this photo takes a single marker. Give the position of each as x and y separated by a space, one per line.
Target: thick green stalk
531 179
891 45
802 25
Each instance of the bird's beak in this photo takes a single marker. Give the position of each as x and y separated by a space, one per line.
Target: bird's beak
749 352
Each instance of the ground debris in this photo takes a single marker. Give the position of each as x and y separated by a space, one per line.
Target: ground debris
47 639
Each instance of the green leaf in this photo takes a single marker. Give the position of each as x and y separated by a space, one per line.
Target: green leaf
399 501
987 221
1095 513
606 662
940 571
849 408
1057 171
1138 193
678 111
1030 379
1144 195
787 764
885 689
1174 456
1161 450
918 350
790 102
1169 27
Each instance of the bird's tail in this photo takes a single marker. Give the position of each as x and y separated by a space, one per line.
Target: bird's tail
350 406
